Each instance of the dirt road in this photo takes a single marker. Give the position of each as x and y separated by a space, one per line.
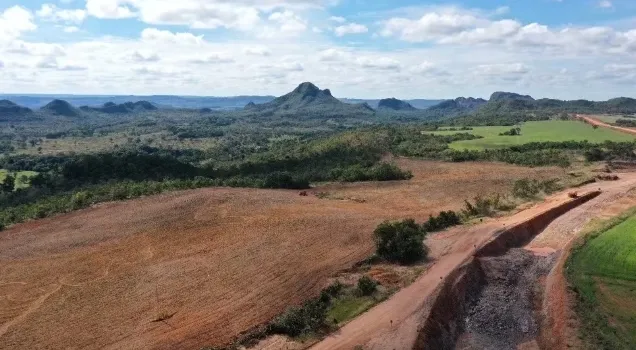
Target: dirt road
594 121
393 324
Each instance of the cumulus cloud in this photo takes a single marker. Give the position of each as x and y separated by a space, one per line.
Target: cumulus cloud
154 34
137 56
53 63
333 54
287 23
257 51
502 69
386 63
453 26
51 12
337 19
351 28
15 21
109 9
214 58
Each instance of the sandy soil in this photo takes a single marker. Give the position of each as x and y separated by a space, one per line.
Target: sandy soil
393 324
594 121
219 261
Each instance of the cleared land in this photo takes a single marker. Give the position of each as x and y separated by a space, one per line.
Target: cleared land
543 131
218 260
604 271
594 120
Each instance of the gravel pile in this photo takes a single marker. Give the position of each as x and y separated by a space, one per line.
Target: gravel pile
503 314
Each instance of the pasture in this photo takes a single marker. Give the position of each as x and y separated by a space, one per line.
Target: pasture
21 177
604 273
541 131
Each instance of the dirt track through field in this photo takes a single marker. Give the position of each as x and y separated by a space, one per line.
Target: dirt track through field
220 260
594 121
394 323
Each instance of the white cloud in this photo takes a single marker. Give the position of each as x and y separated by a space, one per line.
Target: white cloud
257 51
1 64
214 58
53 63
51 12
378 63
15 21
154 34
605 4
288 23
351 28
337 19
137 56
423 68
35 49
502 69
453 26
429 27
111 9
333 54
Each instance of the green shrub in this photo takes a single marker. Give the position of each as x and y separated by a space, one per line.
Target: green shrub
301 320
400 241
444 220
367 285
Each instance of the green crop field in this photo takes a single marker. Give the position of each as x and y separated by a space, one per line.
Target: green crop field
19 183
603 272
553 130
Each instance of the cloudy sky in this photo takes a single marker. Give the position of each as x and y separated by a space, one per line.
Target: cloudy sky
358 48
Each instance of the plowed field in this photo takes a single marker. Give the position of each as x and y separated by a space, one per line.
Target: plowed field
215 261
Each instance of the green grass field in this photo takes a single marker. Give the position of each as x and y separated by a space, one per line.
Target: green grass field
553 130
18 177
603 272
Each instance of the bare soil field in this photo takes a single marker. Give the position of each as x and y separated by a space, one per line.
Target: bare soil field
215 261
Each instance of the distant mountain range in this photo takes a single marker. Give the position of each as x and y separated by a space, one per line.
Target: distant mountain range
309 101
162 101
122 108
193 102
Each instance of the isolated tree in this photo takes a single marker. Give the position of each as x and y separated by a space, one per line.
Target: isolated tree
367 285
9 183
400 241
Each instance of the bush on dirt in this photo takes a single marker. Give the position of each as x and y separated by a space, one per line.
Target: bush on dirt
400 241
444 220
367 285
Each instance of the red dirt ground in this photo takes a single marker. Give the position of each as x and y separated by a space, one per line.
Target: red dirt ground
594 121
220 260
394 324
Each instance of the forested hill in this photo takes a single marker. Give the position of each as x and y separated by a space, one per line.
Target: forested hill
308 101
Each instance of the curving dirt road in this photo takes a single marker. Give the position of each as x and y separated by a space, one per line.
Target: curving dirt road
394 323
594 121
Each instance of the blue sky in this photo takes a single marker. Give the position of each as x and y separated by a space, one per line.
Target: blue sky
358 48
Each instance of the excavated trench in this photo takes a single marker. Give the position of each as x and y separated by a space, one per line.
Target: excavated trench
492 300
